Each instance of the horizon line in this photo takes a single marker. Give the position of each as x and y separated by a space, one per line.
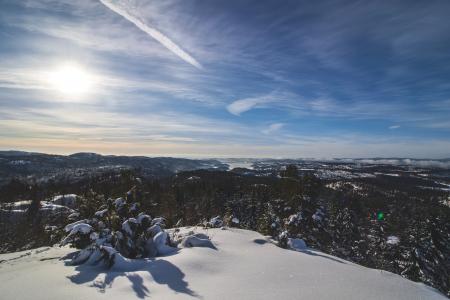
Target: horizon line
199 157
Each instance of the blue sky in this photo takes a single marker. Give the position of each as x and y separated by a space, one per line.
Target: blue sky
226 78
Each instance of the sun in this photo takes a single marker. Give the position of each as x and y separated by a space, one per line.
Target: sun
71 79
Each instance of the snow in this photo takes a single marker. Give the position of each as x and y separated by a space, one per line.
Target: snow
387 174
119 202
134 207
155 229
159 221
73 216
82 227
393 240
81 256
50 228
296 244
143 217
197 241
19 162
70 226
340 174
15 211
215 222
68 200
294 219
77 228
160 241
18 205
244 266
127 227
49 206
318 215
109 250
101 213
94 236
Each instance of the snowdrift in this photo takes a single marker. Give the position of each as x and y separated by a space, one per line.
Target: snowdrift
242 265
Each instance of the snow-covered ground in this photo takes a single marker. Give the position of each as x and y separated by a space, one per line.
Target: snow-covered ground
244 265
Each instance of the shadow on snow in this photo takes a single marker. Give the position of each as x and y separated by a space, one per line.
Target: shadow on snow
160 270
305 251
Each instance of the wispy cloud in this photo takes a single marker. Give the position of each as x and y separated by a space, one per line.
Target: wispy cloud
300 63
273 128
274 98
240 106
122 8
394 127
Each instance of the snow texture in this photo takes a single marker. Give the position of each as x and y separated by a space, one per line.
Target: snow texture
155 229
119 202
70 226
318 215
393 240
101 213
69 200
245 266
297 244
126 226
159 221
162 247
73 216
143 217
294 219
215 222
197 241
80 228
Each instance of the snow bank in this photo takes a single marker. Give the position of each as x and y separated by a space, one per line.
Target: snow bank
197 241
54 208
297 244
160 241
69 200
244 266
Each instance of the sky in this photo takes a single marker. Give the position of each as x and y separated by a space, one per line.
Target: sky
235 78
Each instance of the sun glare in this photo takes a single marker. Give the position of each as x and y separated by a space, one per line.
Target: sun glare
71 79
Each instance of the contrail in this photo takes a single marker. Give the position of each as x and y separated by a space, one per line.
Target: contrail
120 8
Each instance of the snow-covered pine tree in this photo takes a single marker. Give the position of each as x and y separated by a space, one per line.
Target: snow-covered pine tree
117 230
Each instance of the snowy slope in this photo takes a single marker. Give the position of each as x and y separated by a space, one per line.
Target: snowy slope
244 266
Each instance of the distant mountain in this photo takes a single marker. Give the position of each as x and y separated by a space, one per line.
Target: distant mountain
21 164
14 153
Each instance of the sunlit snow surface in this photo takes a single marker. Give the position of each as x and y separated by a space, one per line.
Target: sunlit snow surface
243 266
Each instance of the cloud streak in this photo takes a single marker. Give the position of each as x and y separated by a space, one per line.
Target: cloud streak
125 11
274 98
240 106
324 78
273 128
